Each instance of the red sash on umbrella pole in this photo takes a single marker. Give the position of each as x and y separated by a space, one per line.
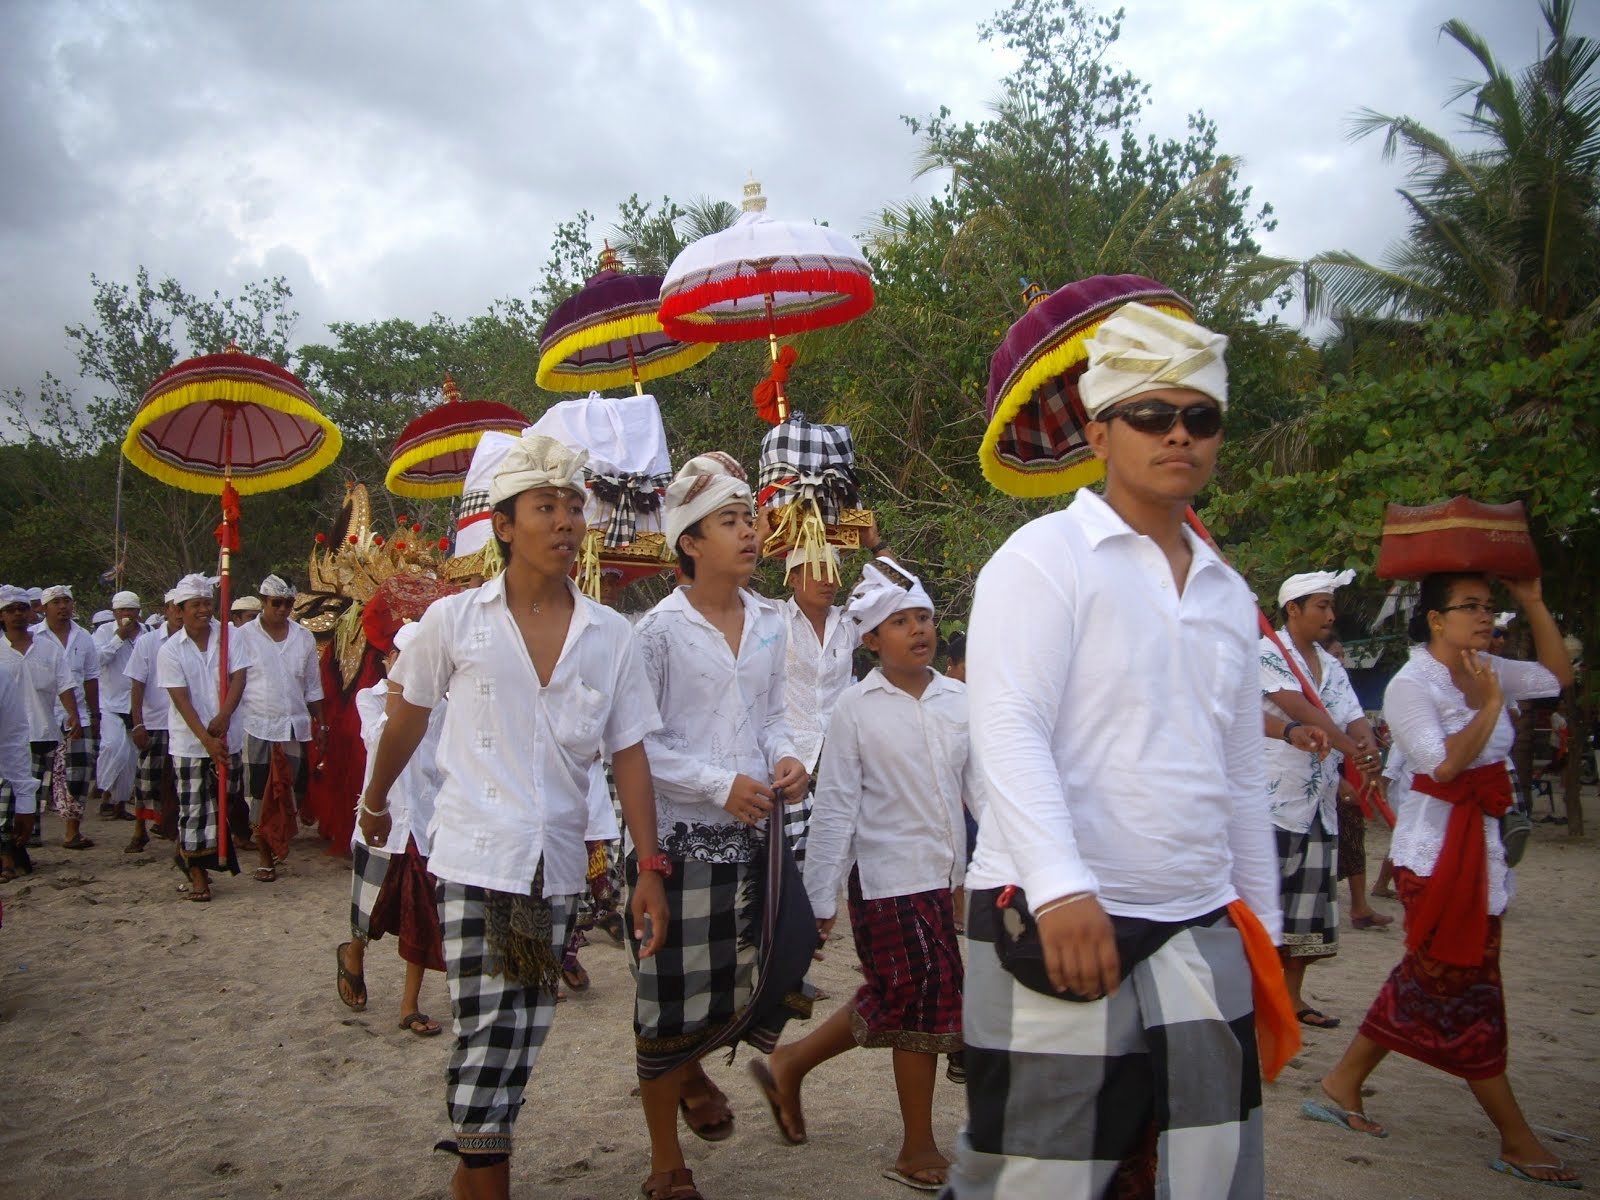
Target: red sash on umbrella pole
1368 794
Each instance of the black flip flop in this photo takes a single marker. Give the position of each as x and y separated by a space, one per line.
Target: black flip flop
358 983
1323 1021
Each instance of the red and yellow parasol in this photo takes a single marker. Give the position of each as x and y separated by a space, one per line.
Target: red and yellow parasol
430 459
765 278
227 425
609 335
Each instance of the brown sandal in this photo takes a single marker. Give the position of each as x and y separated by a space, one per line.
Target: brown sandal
677 1184
711 1120
769 1089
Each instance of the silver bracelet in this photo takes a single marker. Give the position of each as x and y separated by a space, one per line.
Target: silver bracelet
373 812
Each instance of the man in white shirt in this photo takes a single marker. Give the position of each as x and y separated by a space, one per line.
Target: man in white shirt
1304 788
155 796
540 678
47 682
115 641
282 707
1117 726
204 731
83 661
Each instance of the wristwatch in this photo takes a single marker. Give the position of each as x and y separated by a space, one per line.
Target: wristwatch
1290 728
659 863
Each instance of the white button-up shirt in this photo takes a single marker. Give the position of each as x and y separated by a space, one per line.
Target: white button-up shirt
1299 784
83 663
890 792
412 795
1117 723
515 754
141 668
721 717
817 673
115 654
1423 707
47 675
285 680
16 761
181 663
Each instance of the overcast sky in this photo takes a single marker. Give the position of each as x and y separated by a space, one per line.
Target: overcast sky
402 158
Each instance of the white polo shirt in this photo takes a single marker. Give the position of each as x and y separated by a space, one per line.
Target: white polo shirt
16 763
46 675
285 680
515 754
181 663
141 668
817 673
83 663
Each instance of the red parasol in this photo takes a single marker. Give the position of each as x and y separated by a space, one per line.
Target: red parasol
1034 445
430 458
229 424
764 278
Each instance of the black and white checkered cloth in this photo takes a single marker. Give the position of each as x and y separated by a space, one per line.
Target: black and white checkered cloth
1309 890
258 768
1059 1093
43 754
797 823
499 1025
197 806
153 766
368 869
804 461
622 497
81 755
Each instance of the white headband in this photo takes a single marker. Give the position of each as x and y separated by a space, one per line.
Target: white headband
275 587
12 595
245 604
883 591
125 600
1311 583
537 461
55 593
193 587
1139 349
102 617
702 486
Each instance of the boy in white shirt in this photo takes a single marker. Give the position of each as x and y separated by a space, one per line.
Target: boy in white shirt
539 678
888 819
154 786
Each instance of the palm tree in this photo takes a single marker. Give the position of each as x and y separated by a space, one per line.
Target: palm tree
1510 219
650 246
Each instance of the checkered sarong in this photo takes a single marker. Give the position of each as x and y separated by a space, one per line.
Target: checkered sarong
368 869
258 767
797 823
1309 891
43 754
499 1025
1060 1093
150 780
804 461
197 810
910 960
81 755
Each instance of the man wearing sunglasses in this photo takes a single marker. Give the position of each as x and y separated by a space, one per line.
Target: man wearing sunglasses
1117 726
282 705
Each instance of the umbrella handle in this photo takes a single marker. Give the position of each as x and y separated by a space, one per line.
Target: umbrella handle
1352 776
772 349
638 388
222 652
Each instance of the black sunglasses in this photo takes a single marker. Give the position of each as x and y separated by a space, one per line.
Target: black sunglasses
1158 417
280 603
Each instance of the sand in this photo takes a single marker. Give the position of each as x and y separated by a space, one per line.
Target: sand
160 1049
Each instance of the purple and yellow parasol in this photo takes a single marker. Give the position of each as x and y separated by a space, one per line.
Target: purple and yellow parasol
430 459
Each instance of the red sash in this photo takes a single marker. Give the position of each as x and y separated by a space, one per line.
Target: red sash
1454 906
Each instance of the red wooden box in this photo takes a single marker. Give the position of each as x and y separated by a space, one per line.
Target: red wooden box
1460 535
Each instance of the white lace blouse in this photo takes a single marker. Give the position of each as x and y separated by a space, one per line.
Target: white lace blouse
1423 707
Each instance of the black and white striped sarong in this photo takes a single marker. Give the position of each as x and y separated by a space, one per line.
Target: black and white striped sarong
1308 890
1059 1093
368 869
198 823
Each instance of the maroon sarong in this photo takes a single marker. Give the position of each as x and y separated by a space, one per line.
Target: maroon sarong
1448 1016
276 827
911 959
406 908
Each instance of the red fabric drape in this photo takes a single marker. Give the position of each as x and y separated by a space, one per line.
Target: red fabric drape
335 783
1454 906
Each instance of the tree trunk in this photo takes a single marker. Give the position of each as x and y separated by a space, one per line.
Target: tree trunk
1577 751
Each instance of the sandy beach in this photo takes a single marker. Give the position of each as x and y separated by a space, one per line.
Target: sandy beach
158 1049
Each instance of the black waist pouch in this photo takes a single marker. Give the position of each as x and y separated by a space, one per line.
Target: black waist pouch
1001 916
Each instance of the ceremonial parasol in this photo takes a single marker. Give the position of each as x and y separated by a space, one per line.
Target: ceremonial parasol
227 425
1034 445
430 458
765 278
609 334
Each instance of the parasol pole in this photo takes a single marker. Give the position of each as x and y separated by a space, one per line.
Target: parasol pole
638 388
772 349
222 650
1370 797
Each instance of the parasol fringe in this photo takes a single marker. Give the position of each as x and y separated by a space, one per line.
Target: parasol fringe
467 441
550 376
245 483
1046 479
681 318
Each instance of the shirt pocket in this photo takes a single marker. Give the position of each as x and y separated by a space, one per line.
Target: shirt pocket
579 718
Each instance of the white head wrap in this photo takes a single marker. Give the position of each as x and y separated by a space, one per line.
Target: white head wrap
102 617
405 635
193 587
1311 583
885 589
535 460
1139 349
171 596
35 594
701 486
12 595
154 620
275 587
245 604
55 593
125 600
797 558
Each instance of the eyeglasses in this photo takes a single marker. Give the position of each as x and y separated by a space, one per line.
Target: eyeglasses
1476 609
1158 417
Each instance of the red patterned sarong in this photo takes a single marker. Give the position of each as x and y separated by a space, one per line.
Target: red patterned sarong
406 908
911 959
1450 1017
